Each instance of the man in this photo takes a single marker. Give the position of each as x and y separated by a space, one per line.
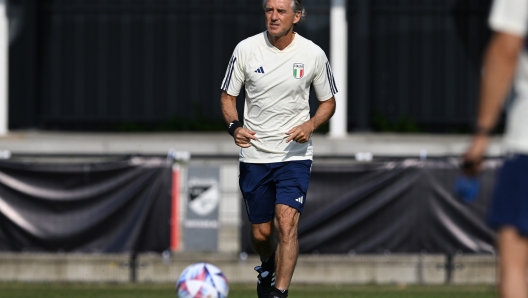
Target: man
506 60
277 68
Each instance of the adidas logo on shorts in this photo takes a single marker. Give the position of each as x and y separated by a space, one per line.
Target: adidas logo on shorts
300 199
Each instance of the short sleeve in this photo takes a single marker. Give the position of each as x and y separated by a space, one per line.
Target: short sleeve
234 77
509 16
323 83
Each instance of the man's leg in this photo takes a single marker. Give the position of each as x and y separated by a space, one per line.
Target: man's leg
258 188
262 239
263 243
286 223
513 253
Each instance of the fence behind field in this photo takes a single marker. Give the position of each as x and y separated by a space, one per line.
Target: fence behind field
311 269
158 65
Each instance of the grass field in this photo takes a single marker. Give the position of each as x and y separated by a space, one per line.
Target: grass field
37 290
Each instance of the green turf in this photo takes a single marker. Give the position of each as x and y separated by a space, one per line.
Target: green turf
37 290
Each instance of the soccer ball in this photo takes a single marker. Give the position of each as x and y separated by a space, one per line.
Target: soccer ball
202 280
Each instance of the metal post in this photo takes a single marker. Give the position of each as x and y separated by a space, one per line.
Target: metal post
175 210
449 269
177 158
133 267
4 46
339 62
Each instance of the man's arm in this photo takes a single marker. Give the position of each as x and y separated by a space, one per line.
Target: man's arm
301 133
499 67
242 136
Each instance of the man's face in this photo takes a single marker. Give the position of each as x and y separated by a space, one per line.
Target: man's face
280 17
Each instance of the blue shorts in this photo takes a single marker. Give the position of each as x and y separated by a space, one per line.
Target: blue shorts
509 205
267 184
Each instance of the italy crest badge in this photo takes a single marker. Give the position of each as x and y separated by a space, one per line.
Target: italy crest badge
298 70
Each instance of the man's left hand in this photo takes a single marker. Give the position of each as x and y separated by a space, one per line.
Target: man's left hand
472 160
301 133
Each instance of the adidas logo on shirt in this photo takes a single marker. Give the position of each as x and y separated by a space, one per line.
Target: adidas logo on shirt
260 70
300 199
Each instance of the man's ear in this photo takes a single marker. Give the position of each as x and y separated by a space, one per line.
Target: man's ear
297 18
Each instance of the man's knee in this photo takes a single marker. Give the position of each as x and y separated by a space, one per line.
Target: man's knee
261 232
286 220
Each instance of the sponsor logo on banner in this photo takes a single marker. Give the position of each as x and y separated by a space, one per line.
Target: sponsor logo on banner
204 195
298 70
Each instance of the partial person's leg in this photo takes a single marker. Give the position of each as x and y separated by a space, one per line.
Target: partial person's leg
513 253
286 223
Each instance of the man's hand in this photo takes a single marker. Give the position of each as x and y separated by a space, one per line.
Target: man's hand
243 136
301 133
472 160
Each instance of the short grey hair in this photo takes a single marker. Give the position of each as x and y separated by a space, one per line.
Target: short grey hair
297 6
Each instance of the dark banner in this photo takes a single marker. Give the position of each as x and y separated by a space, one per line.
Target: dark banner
406 206
101 207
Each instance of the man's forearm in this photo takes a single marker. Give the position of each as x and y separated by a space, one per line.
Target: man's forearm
229 110
324 112
499 68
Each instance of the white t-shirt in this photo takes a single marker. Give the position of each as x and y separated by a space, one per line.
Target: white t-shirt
511 16
277 87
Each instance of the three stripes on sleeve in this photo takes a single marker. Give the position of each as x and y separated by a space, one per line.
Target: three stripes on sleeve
229 74
231 67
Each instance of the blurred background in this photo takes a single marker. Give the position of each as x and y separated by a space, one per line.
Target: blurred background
105 65
116 166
